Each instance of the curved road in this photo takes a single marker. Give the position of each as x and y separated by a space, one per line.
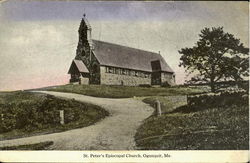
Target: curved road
115 132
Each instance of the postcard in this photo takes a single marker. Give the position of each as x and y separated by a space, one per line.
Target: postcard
124 81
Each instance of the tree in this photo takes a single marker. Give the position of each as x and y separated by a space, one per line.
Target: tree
216 56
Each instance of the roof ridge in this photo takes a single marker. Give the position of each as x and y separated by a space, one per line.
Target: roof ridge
119 55
127 47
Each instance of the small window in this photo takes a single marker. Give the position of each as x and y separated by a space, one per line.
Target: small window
95 68
110 70
132 73
139 74
127 72
113 70
123 72
118 70
106 69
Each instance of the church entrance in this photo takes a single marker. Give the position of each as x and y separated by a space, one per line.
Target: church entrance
156 78
156 72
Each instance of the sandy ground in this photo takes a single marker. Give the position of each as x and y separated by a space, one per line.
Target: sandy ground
115 132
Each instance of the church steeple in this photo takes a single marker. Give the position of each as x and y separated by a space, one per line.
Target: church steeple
85 31
85 44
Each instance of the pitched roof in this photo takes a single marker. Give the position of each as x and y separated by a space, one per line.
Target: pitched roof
110 54
79 65
86 23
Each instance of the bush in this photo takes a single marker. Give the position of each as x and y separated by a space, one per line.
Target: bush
30 115
218 99
7 119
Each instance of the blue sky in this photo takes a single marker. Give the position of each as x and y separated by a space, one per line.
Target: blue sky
38 39
98 10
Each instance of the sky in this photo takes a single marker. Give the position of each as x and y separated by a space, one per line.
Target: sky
38 39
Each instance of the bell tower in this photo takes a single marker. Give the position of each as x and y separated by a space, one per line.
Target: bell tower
85 43
88 29
85 30
84 51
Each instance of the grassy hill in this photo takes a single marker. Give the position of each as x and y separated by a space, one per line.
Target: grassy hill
27 113
123 91
202 128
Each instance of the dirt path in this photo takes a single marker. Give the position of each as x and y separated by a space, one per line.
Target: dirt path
115 132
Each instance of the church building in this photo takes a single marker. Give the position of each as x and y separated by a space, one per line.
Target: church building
98 62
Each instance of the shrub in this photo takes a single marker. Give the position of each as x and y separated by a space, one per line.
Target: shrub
43 113
7 123
218 99
7 119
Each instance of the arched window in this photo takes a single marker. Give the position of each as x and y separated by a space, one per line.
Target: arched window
95 68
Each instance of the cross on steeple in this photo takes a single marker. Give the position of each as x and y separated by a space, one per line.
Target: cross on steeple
84 15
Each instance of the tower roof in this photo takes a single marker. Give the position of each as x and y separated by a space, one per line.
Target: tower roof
84 19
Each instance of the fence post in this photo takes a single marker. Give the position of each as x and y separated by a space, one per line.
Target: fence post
158 107
61 117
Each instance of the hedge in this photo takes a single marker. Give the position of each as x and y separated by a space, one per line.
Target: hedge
226 98
30 115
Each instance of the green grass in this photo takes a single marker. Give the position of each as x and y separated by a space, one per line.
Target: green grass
220 128
19 97
36 146
123 91
168 103
28 114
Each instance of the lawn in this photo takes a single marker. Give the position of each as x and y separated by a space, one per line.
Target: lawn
217 128
26 114
168 103
123 91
